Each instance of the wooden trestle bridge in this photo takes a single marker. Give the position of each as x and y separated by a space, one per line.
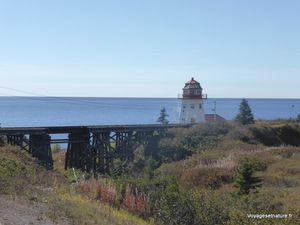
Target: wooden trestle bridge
90 148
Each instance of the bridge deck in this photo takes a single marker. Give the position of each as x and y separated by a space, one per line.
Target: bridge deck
94 128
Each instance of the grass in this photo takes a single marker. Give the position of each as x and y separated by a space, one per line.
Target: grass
278 165
82 210
20 175
272 147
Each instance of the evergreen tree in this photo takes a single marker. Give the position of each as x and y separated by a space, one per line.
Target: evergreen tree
245 181
245 115
163 116
298 118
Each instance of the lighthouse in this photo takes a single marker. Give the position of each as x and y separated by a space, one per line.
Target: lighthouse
192 110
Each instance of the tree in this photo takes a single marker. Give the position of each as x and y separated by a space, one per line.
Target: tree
298 117
245 181
163 116
245 115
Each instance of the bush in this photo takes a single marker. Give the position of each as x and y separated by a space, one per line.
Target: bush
179 143
56 148
175 207
172 150
275 136
243 134
152 165
2 141
258 203
192 207
211 208
205 136
11 168
212 178
283 182
289 135
135 202
257 163
265 135
286 153
245 181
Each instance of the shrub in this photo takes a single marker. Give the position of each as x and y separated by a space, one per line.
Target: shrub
275 136
13 176
55 148
262 202
11 168
90 188
265 135
289 135
286 152
136 202
206 177
108 192
172 150
174 207
245 180
257 163
205 136
241 133
152 165
192 207
255 203
211 208
2 141
275 181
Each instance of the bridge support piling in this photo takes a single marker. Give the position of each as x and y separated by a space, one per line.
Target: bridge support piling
15 140
79 153
39 147
123 148
102 152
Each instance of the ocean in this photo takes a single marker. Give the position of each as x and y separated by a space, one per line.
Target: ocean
61 111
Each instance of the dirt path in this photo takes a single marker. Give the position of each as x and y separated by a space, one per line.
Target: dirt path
22 212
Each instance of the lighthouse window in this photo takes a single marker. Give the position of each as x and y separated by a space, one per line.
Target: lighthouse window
192 106
200 106
183 106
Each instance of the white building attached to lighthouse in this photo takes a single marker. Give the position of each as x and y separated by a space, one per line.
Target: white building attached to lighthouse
192 110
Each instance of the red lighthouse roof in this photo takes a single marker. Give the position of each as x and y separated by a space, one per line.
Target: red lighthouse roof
192 90
192 81
192 84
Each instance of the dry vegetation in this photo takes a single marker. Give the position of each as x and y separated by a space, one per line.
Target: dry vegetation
188 176
21 177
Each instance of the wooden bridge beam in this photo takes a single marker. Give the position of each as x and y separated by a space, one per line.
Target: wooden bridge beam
102 152
39 147
78 153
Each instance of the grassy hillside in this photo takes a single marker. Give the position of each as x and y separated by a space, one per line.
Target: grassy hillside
21 177
189 176
185 176
274 153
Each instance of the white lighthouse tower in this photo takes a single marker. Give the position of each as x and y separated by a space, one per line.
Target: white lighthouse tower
192 110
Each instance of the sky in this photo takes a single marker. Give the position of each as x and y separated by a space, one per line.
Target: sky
143 48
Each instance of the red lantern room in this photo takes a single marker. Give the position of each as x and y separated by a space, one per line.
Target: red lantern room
192 90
